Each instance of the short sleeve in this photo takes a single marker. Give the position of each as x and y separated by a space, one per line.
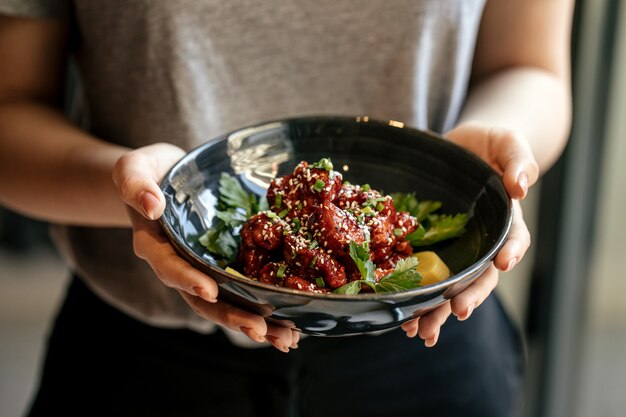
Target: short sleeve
54 9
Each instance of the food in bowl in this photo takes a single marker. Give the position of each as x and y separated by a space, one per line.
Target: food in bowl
317 233
390 157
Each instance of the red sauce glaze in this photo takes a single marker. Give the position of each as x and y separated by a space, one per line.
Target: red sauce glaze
303 241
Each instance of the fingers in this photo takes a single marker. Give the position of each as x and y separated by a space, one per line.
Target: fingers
137 173
237 319
138 187
430 324
505 150
513 155
229 316
517 242
411 327
151 245
473 296
282 338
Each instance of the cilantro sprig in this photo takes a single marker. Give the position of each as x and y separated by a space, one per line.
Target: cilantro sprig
235 207
433 227
403 277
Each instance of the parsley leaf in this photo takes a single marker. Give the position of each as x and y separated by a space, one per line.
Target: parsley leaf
360 254
220 241
418 209
234 196
440 227
235 207
433 227
403 277
231 217
351 288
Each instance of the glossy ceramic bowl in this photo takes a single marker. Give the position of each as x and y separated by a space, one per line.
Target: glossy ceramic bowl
386 155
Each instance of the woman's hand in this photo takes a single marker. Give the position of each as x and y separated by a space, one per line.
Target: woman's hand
137 175
508 153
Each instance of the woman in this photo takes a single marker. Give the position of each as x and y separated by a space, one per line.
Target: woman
159 78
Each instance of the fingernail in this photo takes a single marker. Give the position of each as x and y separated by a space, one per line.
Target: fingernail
522 181
252 334
149 204
468 313
204 294
511 264
294 340
431 342
412 333
277 343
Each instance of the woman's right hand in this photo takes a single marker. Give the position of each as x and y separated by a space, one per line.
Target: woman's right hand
137 175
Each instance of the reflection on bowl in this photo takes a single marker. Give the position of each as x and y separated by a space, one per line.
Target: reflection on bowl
389 157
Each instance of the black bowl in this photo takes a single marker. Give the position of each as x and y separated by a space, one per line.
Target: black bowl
389 157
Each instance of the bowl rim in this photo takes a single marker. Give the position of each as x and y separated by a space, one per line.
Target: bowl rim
460 276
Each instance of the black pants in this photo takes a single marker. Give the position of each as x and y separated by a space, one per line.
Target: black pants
101 362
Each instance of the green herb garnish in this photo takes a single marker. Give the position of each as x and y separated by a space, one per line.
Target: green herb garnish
279 200
403 277
323 163
319 185
432 227
235 207
438 227
281 271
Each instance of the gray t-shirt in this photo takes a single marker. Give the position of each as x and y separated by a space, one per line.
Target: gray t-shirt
184 71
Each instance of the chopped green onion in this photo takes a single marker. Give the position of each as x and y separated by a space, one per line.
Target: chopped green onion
366 187
271 215
279 200
319 185
320 282
281 271
312 264
296 224
380 207
367 210
313 244
299 206
323 163
397 232
283 213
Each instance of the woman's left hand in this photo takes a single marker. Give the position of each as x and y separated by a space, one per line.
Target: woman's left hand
509 154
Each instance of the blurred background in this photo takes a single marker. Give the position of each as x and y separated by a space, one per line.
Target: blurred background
566 295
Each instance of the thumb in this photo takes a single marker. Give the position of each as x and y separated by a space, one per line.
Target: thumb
136 179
